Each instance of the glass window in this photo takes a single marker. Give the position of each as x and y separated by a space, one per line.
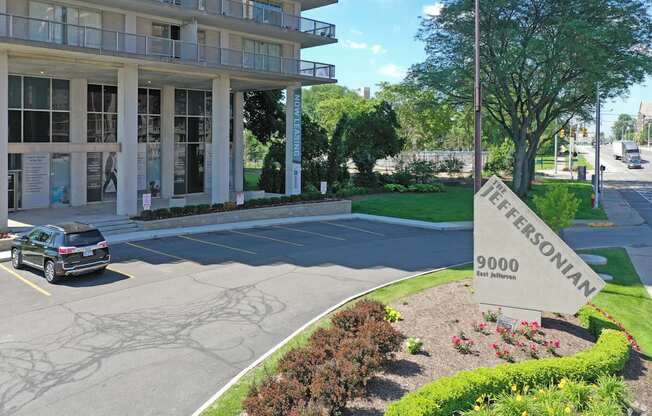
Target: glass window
36 126
36 93
110 128
154 101
195 168
195 129
142 101
179 169
161 30
180 102
180 129
60 94
15 126
142 129
196 103
15 92
94 131
110 99
209 104
154 129
94 98
61 127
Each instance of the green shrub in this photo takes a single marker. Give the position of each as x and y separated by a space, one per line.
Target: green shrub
426 187
218 207
350 191
392 315
203 208
452 165
177 211
557 207
594 322
147 215
392 187
449 395
162 213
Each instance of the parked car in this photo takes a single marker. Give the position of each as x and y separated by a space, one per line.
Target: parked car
70 249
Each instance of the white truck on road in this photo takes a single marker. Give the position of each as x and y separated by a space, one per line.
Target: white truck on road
628 152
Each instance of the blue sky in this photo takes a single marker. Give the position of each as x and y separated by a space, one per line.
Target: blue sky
376 43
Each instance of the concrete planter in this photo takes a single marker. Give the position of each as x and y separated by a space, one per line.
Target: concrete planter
311 209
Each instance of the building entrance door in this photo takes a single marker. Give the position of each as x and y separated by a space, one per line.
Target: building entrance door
14 191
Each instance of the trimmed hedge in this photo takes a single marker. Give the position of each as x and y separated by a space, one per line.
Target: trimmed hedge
165 213
449 395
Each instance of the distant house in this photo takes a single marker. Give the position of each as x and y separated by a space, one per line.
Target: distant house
644 115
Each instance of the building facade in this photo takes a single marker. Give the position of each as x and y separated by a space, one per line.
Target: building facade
644 117
106 101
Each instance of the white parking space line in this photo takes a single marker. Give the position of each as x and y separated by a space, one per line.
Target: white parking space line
27 282
646 194
264 237
282 227
151 250
362 230
210 243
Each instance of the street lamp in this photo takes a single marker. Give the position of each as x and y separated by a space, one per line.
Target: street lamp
477 180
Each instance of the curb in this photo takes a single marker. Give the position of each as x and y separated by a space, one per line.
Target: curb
263 357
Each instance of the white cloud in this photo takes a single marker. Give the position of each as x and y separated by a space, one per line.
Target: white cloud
356 32
354 45
378 49
433 10
392 71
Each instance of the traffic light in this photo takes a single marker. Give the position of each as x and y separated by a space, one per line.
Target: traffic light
585 132
562 133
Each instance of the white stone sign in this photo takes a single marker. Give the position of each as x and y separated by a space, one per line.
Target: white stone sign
36 180
521 265
147 202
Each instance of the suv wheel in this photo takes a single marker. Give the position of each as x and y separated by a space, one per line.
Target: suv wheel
50 273
16 258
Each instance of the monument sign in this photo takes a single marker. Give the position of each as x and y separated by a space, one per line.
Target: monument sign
521 266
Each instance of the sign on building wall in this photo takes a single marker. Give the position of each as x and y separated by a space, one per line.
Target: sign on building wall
296 128
36 180
142 166
94 177
520 263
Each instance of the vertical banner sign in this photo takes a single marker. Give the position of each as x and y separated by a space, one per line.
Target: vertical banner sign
521 265
36 180
296 142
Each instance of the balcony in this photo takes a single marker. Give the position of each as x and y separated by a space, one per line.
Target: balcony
258 13
111 43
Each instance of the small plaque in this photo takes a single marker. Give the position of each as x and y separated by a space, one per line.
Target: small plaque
239 198
323 187
508 323
147 202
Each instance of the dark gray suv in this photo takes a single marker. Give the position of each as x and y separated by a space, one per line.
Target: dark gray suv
62 250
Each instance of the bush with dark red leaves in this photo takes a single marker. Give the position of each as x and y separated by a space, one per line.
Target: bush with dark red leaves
332 369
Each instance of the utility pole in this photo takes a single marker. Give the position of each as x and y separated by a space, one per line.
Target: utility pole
598 170
477 182
556 152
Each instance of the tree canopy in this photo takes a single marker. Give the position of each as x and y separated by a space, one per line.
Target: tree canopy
623 127
541 62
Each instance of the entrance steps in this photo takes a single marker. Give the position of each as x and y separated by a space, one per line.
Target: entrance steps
114 225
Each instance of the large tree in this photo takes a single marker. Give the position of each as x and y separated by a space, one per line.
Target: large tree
623 127
541 61
264 114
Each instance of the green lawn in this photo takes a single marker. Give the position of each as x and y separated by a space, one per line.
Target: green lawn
456 204
548 163
251 176
625 298
230 404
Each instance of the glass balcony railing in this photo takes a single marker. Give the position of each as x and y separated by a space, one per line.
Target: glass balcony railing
259 13
107 42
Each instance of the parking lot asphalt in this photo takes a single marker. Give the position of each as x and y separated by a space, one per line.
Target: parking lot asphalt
175 318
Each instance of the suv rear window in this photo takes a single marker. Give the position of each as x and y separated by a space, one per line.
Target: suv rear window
86 238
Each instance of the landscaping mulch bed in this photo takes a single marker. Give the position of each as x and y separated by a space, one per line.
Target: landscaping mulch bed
437 315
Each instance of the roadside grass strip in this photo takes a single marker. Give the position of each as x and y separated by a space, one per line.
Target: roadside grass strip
229 403
625 298
27 282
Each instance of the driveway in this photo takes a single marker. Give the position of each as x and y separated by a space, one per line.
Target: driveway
176 318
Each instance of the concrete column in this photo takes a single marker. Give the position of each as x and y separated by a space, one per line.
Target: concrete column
238 141
127 203
293 141
131 26
220 145
78 134
167 141
4 135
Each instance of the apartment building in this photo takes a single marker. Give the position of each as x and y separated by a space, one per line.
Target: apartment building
109 100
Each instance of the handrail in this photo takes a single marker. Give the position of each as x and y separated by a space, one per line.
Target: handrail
109 42
257 12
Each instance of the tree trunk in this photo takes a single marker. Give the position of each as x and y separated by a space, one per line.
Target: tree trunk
521 169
